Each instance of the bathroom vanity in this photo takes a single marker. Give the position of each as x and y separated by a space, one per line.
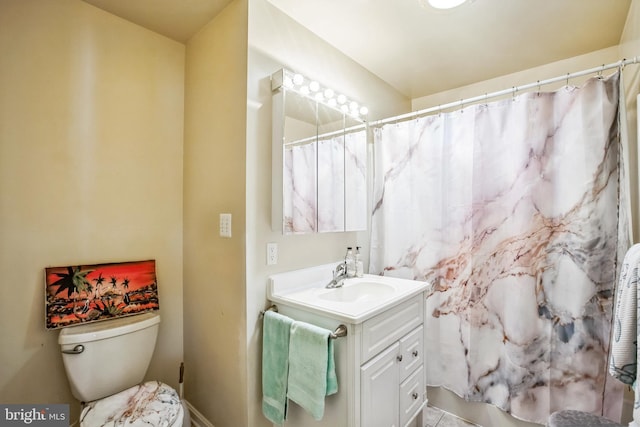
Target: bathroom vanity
380 362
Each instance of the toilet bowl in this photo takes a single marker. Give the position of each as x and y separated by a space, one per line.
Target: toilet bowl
106 363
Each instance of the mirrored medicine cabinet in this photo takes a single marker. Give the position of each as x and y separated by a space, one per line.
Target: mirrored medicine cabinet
319 158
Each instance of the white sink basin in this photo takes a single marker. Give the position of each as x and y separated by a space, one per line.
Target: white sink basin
357 300
357 291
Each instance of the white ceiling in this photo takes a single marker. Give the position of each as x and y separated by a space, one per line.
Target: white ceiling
416 49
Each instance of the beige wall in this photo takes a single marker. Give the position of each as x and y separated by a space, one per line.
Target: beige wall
275 42
289 44
214 183
90 171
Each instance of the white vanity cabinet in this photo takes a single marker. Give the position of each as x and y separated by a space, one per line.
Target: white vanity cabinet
392 374
380 369
380 363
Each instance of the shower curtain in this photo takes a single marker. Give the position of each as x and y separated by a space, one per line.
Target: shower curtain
511 210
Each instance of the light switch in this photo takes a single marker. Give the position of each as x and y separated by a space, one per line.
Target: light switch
225 225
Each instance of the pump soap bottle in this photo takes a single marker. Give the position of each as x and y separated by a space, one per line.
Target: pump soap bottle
359 265
350 262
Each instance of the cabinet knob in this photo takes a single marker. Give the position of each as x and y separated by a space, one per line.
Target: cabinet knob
415 396
415 353
399 358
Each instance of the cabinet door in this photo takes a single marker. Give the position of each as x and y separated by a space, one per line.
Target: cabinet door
379 391
411 352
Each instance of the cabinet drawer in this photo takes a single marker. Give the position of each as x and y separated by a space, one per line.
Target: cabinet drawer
411 352
412 392
387 328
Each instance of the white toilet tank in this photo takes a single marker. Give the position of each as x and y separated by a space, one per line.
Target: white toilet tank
106 357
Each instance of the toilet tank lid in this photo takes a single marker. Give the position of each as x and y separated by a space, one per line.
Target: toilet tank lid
107 328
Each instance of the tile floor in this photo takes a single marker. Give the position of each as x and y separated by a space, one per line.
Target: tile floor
439 418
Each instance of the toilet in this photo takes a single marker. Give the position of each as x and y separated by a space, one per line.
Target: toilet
106 362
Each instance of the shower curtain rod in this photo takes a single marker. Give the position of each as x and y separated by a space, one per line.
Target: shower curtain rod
326 135
512 90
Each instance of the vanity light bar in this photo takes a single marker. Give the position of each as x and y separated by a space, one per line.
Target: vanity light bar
319 93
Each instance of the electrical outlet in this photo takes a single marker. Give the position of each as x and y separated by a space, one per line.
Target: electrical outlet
225 225
272 253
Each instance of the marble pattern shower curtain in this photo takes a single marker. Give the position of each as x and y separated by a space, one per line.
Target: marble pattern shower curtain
511 210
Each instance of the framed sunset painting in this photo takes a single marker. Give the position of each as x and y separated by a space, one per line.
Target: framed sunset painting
89 293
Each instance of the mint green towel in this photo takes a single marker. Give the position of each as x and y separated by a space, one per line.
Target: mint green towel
275 365
312 373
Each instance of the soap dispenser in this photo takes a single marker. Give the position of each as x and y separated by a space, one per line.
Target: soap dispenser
359 265
350 262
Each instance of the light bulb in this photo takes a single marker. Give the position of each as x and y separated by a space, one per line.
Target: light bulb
445 4
312 89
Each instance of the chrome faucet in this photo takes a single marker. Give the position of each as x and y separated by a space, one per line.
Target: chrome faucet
339 275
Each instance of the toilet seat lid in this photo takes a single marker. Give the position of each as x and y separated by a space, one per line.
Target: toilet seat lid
150 404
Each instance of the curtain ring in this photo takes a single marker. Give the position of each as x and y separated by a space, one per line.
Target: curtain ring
538 88
568 79
513 96
622 64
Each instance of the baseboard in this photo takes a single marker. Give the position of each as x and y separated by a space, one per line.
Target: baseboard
197 419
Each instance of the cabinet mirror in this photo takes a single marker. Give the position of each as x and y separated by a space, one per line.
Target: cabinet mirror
319 162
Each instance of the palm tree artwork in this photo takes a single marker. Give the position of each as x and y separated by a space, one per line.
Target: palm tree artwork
80 294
